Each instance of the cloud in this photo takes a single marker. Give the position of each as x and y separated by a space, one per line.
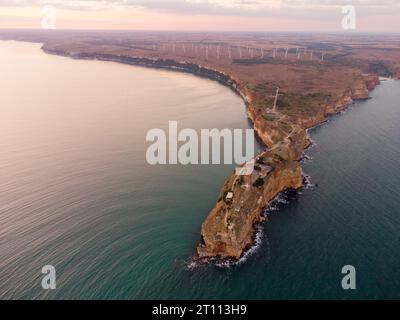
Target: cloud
250 8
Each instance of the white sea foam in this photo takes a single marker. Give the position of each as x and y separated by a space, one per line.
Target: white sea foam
192 264
307 182
254 248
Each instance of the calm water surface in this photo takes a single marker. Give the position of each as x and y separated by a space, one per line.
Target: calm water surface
77 193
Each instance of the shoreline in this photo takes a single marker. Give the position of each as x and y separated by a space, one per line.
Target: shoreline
225 79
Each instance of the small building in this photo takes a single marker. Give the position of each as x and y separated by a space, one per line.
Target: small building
229 196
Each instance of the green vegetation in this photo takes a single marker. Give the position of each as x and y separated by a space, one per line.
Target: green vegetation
270 117
285 127
379 68
258 183
295 103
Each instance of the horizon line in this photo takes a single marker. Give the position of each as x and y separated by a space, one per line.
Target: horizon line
347 32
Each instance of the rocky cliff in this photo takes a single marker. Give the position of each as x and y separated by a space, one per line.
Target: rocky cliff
229 229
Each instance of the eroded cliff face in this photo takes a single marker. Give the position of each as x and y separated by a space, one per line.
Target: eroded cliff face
229 229
359 91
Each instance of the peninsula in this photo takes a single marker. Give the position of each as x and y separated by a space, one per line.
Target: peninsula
317 76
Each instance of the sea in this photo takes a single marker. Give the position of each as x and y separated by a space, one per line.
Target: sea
77 193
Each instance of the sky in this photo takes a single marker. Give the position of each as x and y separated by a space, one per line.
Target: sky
201 15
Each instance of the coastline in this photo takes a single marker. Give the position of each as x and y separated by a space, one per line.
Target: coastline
210 249
134 233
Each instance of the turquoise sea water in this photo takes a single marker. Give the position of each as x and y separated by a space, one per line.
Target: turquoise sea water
77 193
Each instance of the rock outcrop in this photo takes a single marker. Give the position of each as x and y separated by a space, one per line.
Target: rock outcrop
229 229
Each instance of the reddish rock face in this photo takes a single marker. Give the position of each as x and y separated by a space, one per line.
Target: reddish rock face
229 229
372 83
309 94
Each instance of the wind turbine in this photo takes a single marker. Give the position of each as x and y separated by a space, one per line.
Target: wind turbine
276 99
